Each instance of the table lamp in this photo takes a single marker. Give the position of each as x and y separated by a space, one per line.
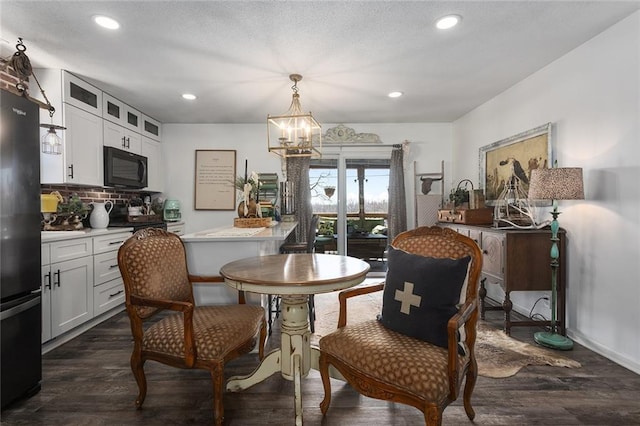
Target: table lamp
563 183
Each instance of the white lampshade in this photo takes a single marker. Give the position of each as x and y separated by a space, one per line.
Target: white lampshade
562 183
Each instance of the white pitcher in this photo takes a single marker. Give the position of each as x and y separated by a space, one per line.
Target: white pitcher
99 218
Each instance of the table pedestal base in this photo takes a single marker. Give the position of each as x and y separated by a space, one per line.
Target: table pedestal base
293 359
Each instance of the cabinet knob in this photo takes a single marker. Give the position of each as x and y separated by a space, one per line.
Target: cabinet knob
47 280
57 280
71 171
485 252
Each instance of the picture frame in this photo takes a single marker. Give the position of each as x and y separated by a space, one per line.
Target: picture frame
521 153
215 174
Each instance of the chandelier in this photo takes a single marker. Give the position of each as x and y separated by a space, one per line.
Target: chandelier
295 133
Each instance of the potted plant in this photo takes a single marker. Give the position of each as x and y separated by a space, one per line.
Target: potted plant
459 196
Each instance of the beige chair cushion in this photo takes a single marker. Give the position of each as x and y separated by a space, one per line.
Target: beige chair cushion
217 331
392 358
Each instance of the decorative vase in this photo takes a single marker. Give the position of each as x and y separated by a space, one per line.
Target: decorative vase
99 217
252 210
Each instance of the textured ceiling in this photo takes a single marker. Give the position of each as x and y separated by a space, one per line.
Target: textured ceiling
236 55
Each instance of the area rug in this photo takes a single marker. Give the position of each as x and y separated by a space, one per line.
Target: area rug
498 355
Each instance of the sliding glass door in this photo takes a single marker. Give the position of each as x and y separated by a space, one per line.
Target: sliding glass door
350 194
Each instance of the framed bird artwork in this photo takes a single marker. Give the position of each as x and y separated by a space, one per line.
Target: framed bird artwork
512 159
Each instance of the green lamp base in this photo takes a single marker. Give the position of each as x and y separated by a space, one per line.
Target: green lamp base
553 340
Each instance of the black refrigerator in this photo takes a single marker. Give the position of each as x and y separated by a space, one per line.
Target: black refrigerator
20 254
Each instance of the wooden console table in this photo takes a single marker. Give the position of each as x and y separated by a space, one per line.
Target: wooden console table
517 260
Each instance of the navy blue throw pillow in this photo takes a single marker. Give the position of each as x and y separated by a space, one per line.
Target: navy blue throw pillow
421 294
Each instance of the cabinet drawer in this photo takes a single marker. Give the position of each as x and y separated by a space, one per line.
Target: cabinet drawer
107 296
105 267
70 249
109 242
45 256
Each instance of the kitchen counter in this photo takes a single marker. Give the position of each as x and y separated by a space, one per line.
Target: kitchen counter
47 236
209 250
278 232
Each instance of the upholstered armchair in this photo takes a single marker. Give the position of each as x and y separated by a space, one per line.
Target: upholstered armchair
424 363
154 269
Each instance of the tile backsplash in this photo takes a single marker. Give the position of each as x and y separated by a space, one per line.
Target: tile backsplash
89 194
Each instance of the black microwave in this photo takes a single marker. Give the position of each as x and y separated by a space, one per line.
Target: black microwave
124 169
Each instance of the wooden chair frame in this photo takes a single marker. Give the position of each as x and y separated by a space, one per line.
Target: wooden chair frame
466 316
187 308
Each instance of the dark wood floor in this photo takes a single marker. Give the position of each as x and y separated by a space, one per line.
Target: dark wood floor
87 381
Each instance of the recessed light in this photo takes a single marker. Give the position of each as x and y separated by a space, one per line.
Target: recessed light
395 94
106 22
448 21
188 96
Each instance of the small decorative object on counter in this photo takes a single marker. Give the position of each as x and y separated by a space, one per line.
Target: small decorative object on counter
67 216
49 202
99 218
172 211
248 187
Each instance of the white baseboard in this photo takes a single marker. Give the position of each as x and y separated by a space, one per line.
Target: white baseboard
604 351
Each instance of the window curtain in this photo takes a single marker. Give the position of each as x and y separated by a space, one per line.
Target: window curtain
298 172
397 218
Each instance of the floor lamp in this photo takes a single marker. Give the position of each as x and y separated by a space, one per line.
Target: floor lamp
555 184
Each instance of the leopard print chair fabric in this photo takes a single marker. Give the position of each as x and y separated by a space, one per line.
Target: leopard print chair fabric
384 364
154 270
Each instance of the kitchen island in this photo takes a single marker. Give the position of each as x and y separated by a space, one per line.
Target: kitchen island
209 250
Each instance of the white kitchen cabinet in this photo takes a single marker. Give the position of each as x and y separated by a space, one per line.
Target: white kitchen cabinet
155 176
78 106
151 128
81 94
46 293
80 280
91 118
121 137
82 160
112 109
109 287
132 119
67 287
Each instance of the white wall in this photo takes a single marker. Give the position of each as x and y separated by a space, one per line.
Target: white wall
430 144
592 95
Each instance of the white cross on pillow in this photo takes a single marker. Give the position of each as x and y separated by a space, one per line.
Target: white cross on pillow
407 298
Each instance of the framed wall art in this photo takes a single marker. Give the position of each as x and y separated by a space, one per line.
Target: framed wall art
517 155
215 174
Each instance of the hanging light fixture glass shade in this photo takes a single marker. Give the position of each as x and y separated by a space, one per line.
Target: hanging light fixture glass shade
51 142
295 133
